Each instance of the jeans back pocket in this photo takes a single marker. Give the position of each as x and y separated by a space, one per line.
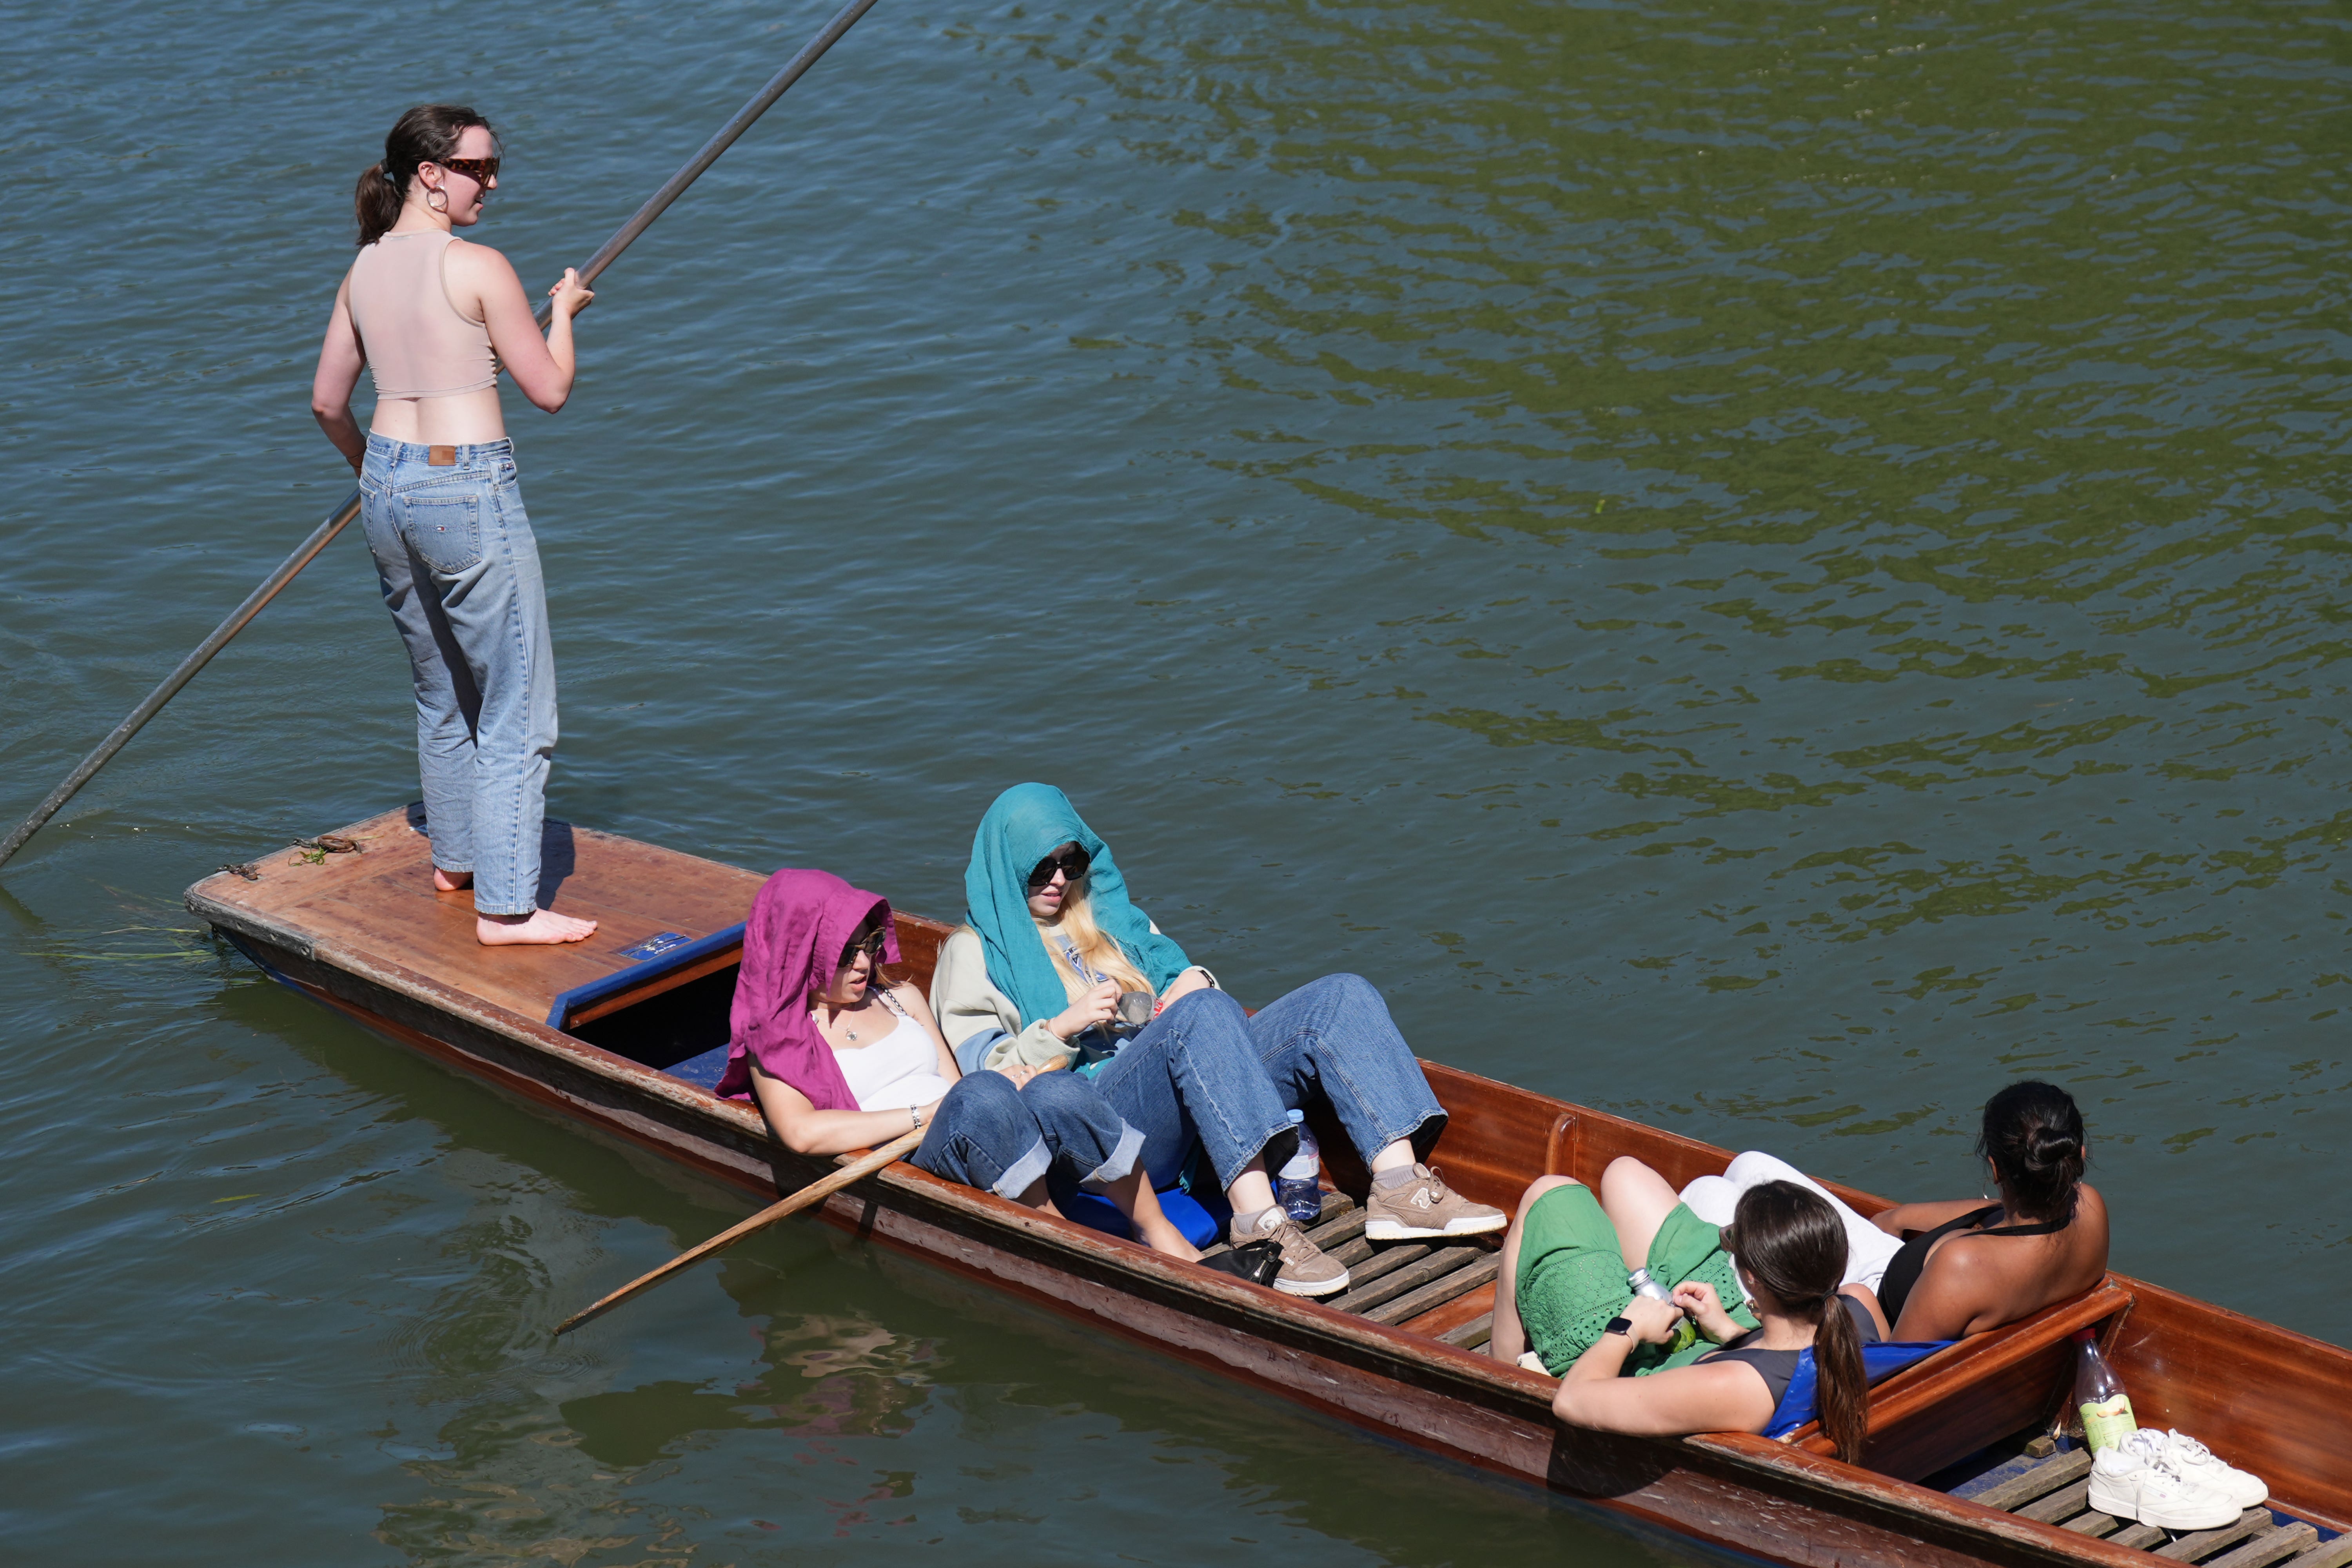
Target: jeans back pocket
443 529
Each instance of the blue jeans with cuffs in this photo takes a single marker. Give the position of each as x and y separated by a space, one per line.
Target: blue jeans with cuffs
1206 1070
992 1135
459 569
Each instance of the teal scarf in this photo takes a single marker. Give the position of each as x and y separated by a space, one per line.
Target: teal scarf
1027 822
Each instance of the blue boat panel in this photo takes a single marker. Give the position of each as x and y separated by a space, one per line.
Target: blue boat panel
667 961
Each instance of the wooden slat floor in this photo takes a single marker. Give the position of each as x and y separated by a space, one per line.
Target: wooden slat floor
2054 1488
1446 1290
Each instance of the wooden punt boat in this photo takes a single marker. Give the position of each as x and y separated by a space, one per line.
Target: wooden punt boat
1959 1468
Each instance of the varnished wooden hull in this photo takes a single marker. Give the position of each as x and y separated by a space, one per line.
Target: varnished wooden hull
1789 1502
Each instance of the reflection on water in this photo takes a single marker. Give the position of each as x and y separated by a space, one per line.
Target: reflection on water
827 1377
846 1416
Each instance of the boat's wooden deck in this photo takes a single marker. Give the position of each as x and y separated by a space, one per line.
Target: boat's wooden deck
380 903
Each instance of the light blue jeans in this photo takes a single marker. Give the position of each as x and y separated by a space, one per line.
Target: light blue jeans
459 568
990 1135
1205 1069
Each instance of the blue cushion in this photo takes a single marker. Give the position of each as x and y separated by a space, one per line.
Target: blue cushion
1878 1361
703 1071
1199 1225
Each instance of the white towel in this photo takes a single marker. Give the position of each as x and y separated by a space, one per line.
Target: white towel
1868 1249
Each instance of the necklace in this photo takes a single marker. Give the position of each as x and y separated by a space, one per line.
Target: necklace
890 1009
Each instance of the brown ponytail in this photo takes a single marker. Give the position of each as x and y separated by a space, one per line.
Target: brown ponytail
376 203
425 134
1841 1397
1792 1246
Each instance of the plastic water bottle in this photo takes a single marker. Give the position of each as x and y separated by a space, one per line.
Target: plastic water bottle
1295 1188
1687 1331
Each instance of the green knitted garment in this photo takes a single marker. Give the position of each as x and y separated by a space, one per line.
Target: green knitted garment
1573 1278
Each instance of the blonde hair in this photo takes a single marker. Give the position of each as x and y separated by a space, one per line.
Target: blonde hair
1100 950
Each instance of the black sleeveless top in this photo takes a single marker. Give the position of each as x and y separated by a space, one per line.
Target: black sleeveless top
1777 1367
1904 1272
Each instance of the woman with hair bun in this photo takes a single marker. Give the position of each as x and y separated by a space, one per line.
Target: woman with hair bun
1967 1265
437 318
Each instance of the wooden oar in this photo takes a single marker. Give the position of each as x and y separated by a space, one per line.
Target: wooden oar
324 534
815 1193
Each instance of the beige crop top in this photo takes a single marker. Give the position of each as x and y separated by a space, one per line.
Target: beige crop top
416 342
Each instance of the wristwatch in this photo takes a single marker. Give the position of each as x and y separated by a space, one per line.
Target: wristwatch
1619 1326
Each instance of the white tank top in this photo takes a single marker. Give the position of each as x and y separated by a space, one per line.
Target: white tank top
900 1069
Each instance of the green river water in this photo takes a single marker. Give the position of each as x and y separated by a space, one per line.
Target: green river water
1767 567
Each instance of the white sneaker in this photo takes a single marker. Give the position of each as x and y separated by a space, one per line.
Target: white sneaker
2154 1493
2195 1461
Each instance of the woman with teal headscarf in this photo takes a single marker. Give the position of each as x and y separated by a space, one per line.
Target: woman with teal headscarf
1057 959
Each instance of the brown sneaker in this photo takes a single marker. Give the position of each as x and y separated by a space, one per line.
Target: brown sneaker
1426 1207
1306 1270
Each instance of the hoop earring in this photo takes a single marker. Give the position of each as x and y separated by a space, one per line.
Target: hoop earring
437 200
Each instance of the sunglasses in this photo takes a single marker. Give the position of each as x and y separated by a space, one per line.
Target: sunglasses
1073 862
870 944
481 171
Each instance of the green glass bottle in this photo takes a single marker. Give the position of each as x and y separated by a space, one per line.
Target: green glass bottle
1687 1331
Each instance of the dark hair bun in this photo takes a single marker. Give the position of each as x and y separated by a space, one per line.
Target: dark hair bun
2047 1146
2033 1136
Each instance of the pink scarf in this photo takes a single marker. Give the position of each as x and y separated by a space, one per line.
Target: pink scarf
791 945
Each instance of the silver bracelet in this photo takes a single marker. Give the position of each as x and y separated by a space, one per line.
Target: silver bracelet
916 1116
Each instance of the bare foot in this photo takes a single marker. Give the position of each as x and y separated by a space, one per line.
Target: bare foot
451 881
1169 1241
540 928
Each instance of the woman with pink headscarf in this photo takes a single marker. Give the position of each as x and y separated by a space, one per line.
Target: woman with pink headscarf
842 1055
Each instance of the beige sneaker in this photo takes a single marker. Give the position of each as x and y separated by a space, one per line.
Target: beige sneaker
1306 1270
1426 1207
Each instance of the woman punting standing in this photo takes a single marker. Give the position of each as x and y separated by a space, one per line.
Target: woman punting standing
437 317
